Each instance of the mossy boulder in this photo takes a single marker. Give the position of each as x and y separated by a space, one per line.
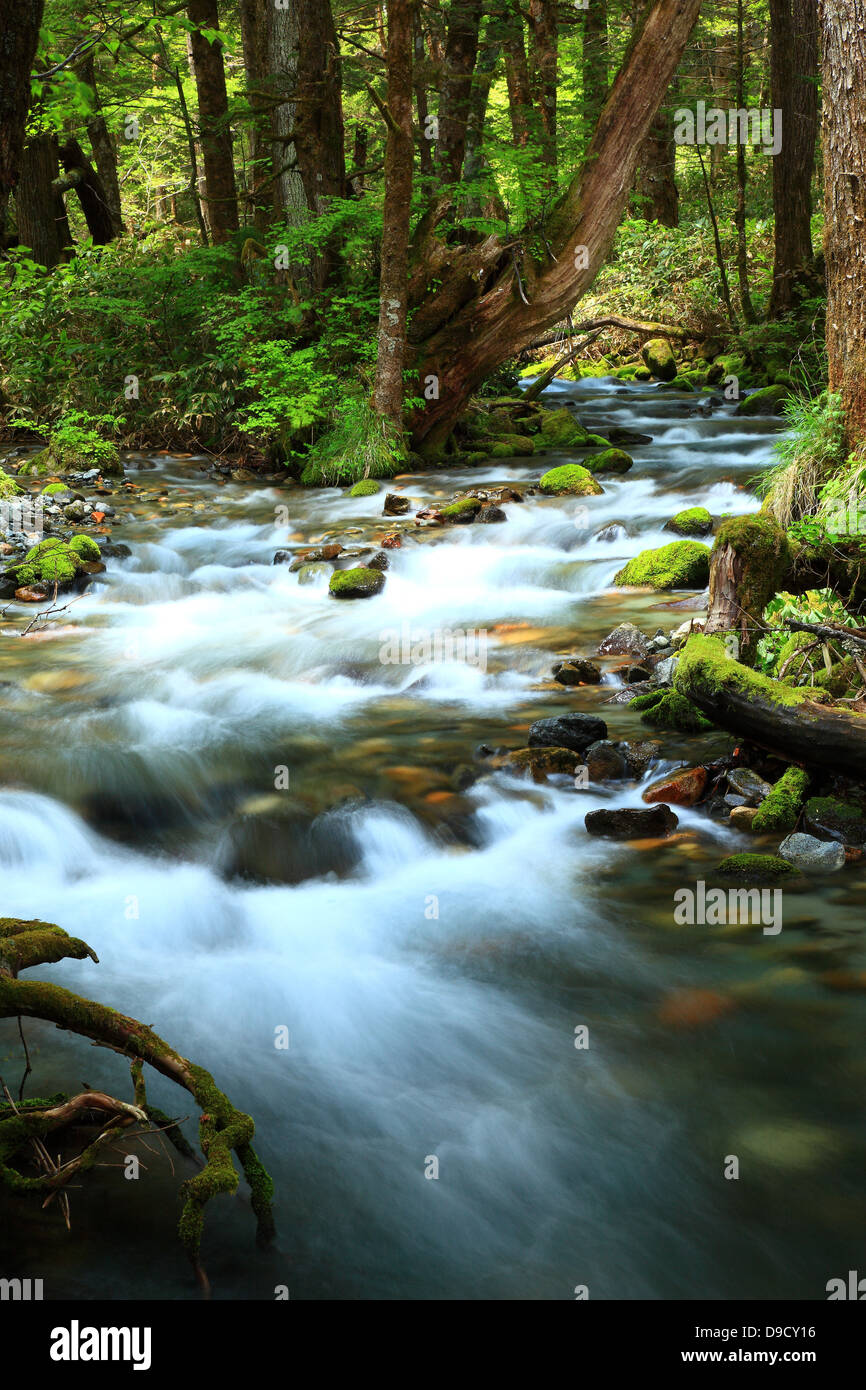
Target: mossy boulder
54 489
609 461
780 811
665 709
680 565
465 509
769 400
597 441
365 487
755 869
832 818
8 487
53 561
361 582
693 521
74 450
570 479
660 359
560 430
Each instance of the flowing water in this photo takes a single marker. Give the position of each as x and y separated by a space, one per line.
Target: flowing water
430 933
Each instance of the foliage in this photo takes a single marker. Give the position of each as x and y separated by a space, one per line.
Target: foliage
815 606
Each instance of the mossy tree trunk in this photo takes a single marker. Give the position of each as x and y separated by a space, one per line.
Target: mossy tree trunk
748 564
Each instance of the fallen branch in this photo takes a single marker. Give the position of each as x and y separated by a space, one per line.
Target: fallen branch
543 381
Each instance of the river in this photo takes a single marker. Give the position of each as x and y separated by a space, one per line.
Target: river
430 933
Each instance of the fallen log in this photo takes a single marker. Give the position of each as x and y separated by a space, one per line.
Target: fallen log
790 721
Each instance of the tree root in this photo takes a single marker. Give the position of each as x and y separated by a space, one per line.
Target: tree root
223 1130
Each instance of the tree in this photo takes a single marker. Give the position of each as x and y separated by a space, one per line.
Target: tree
104 151
393 284
794 92
20 22
216 136
843 33
656 193
476 305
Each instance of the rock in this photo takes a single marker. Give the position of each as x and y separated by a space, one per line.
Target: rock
680 565
754 869
282 557
310 574
742 817
609 461
734 801
430 516
379 561
540 763
310 557
356 583
640 753
694 521
659 357
625 640
576 731
242 475
510 494
812 855
631 823
395 504
606 761
392 541
31 595
461 512
831 818
636 674
577 671
769 400
614 532
664 671
365 487
570 479
747 784
76 511
689 1008
491 513
682 788
560 430
508 446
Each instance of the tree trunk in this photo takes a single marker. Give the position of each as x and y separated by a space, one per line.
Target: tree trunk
318 121
455 95
255 17
104 152
517 78
595 64
393 284
290 199
740 211
21 21
216 137
794 92
81 175
656 195
489 54
748 565
39 208
544 53
488 301
843 25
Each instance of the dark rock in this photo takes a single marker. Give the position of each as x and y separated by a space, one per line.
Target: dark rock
541 762
606 761
748 785
625 640
491 513
637 673
631 823
395 505
577 671
310 557
379 561
576 731
831 818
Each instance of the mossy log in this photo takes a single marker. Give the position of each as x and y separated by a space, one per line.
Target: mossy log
223 1130
790 721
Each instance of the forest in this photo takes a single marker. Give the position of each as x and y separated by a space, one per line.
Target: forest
433 691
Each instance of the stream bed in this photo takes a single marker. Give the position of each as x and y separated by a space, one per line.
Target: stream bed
431 933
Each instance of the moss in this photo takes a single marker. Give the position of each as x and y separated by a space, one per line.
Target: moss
834 806
705 666
462 508
666 709
780 811
767 401
765 558
512 446
755 868
841 679
52 561
682 383
659 358
365 487
680 565
71 450
609 461
693 521
8 487
51 489
571 479
85 548
597 441
356 583
560 430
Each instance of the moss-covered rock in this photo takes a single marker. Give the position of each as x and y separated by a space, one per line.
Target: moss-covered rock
8 487
609 461
361 582
666 709
560 430
85 548
769 400
73 450
831 817
571 479
693 521
755 869
680 565
660 359
365 487
463 510
597 441
53 489
780 811
52 562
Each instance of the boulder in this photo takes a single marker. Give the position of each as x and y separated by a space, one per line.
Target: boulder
680 565
356 583
683 788
577 671
811 855
659 358
693 521
632 823
576 731
570 479
395 504
609 461
831 818
770 400
625 640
